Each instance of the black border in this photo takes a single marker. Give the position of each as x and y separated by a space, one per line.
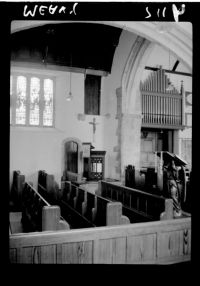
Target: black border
100 11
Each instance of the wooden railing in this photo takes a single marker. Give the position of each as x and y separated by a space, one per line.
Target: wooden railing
159 242
161 109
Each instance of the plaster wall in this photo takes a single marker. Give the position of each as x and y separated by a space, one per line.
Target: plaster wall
33 148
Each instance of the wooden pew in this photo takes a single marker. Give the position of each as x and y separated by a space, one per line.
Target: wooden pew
48 187
16 191
158 242
38 214
96 210
147 207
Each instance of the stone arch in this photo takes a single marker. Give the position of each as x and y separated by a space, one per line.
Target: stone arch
80 154
134 67
131 118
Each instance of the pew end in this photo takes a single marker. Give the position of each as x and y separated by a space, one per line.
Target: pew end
168 212
51 219
63 225
15 222
114 214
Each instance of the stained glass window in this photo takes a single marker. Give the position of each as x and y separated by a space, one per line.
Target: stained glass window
21 100
31 100
48 103
34 101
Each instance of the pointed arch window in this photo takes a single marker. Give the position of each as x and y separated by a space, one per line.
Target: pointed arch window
31 100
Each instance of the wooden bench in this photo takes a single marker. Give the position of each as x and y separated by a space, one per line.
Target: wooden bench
38 214
146 207
96 210
16 191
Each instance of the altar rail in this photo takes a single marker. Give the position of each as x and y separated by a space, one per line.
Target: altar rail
159 242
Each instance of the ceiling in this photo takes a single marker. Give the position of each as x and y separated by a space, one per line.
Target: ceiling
81 45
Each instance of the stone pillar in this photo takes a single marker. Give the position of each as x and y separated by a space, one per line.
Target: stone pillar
130 141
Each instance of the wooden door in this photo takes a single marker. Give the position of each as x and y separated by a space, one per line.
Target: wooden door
154 140
147 150
71 156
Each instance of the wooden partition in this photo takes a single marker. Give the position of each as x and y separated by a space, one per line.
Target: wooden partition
148 206
159 242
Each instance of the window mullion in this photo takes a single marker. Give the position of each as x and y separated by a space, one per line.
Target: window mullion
14 99
54 106
41 105
28 100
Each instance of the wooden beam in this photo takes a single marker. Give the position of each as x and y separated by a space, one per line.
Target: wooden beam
175 65
168 71
57 68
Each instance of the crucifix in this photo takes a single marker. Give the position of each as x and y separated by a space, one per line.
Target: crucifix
94 123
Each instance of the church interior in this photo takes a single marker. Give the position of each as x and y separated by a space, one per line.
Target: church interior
96 110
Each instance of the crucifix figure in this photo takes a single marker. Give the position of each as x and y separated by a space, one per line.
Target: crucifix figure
94 123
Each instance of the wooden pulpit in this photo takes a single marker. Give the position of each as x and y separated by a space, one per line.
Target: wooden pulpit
97 165
94 163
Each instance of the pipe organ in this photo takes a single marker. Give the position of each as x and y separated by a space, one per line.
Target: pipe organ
161 108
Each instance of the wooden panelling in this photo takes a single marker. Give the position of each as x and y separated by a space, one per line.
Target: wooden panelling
28 255
166 241
48 254
141 249
103 251
119 250
174 243
110 251
13 255
77 252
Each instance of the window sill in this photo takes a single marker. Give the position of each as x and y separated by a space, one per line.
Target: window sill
34 129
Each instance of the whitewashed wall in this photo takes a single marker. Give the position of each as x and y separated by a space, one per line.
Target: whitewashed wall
32 149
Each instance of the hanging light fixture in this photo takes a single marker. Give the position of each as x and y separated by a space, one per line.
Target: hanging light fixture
70 96
170 86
